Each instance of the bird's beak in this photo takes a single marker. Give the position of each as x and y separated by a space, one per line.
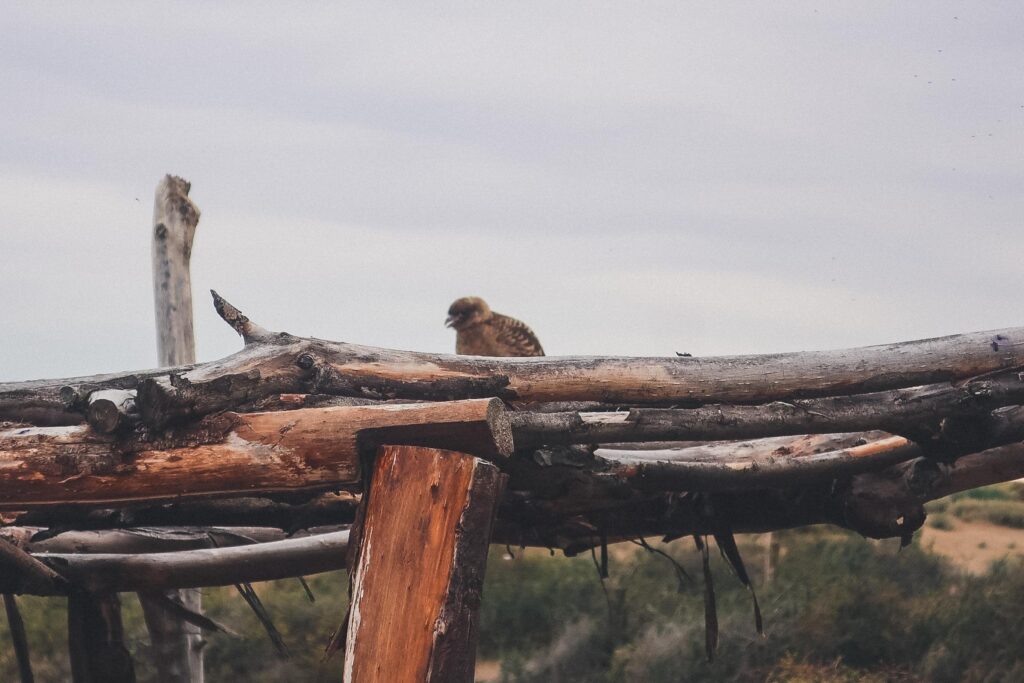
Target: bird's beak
450 321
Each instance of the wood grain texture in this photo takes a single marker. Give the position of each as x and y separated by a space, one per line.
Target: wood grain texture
312 448
419 573
175 218
282 363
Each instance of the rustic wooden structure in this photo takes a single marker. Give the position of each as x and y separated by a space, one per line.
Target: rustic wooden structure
226 472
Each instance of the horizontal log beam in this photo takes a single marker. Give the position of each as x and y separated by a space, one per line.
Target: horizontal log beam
280 363
914 411
289 512
147 539
233 453
204 567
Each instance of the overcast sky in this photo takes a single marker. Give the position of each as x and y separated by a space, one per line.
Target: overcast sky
628 178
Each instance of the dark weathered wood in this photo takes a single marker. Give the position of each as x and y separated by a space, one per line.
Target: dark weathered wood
23 573
96 640
916 410
313 448
419 575
19 639
290 513
203 567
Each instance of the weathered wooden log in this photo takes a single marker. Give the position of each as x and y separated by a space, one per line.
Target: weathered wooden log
309 449
281 363
203 567
425 536
783 471
290 513
110 410
913 411
24 573
147 539
96 639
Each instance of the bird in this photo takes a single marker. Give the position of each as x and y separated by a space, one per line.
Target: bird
482 332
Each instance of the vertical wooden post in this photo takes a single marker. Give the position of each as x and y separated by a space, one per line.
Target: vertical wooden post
177 645
175 218
96 639
18 638
419 575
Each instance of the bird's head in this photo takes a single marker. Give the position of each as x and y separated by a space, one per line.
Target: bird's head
466 312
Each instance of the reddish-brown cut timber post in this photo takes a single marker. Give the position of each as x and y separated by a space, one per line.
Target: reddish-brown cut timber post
419 575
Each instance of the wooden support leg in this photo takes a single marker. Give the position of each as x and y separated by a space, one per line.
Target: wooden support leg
420 570
177 646
96 639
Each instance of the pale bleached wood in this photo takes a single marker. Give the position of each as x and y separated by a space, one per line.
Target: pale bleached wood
177 644
175 218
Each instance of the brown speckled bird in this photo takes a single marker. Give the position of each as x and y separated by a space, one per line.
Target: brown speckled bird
482 332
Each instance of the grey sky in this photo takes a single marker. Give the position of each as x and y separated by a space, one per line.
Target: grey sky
628 178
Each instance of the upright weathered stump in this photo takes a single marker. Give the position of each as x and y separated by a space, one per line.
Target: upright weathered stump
419 575
177 645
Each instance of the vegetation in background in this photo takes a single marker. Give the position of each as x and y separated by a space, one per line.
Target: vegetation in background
840 609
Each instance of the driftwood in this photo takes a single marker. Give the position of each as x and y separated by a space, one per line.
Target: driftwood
175 218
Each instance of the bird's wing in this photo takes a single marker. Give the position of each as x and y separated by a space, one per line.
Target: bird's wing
516 336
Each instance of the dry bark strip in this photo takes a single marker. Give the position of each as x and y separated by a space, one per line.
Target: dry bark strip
233 454
419 574
281 363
